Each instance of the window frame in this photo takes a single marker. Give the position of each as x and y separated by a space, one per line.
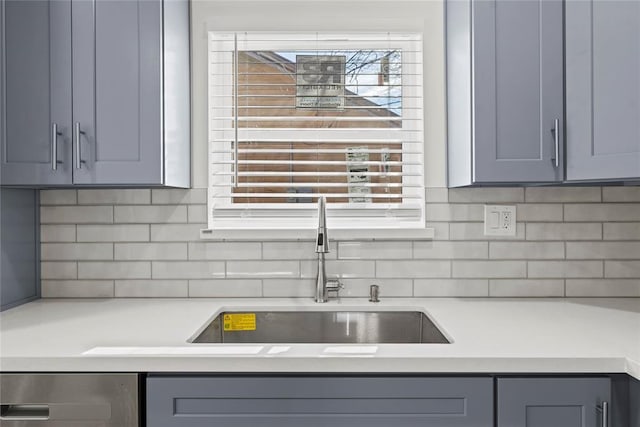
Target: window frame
274 219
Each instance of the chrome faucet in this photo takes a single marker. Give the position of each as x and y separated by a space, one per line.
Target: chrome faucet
323 286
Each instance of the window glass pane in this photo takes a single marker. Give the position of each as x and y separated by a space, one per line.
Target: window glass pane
319 89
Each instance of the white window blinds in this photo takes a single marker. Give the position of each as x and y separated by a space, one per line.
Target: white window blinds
294 116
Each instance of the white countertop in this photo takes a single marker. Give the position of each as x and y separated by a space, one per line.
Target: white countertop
489 336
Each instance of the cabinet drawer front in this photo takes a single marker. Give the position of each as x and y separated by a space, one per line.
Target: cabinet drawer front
318 401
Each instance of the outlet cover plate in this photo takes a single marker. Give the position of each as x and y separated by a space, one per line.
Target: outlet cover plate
499 220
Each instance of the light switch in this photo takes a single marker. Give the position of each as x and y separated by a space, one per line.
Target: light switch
499 220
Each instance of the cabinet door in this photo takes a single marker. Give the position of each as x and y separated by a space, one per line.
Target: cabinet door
603 89
117 102
551 402
518 88
36 89
319 402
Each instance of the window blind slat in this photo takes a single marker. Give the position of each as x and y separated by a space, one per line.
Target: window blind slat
315 194
318 163
315 174
323 184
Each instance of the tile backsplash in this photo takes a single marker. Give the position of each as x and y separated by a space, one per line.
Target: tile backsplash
570 242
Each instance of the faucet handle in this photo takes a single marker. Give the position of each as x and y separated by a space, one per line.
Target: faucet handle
334 285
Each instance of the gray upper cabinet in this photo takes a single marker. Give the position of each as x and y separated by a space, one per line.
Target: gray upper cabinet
552 402
505 91
36 113
196 401
603 89
115 75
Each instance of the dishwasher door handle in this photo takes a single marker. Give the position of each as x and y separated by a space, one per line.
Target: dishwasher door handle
100 411
24 412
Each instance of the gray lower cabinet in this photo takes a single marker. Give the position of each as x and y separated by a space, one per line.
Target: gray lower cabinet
505 91
603 89
97 93
202 401
552 402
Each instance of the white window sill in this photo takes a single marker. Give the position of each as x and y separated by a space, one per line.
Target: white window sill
304 234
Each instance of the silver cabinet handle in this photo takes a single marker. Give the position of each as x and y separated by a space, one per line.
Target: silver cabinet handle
54 146
79 160
556 139
604 412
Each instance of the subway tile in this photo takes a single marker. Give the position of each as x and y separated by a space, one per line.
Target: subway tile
58 270
475 231
224 250
113 233
489 269
562 194
288 288
451 288
76 251
622 231
622 269
526 250
603 288
187 269
621 194
437 195
295 250
150 251
76 214
413 269
388 288
77 289
114 197
58 233
197 213
114 270
179 196
340 269
564 231
260 269
486 195
454 212
526 288
602 212
58 197
151 289
374 250
603 250
150 214
540 212
562 269
225 288
450 250
176 232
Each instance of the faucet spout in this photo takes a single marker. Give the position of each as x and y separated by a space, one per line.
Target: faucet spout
322 247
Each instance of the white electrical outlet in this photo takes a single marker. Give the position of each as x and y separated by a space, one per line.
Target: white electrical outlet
499 220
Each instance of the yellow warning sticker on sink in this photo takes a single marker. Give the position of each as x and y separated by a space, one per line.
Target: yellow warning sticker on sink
240 322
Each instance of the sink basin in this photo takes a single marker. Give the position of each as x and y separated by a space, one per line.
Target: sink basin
336 327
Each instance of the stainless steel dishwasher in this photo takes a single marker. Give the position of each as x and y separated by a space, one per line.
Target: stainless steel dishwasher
69 400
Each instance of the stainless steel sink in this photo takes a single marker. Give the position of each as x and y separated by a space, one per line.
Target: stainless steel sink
353 327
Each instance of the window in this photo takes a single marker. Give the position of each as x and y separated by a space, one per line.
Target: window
305 115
